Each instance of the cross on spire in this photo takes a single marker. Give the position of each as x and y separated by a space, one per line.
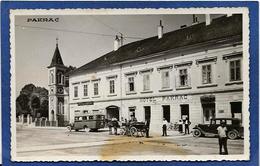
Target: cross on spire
57 41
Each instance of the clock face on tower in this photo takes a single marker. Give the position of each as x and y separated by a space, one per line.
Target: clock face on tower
60 90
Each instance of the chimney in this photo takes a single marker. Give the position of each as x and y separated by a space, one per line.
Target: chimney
194 19
160 30
116 43
229 14
208 20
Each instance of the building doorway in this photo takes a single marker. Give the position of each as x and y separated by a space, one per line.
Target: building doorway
147 113
112 112
236 110
52 115
185 112
208 112
208 107
167 113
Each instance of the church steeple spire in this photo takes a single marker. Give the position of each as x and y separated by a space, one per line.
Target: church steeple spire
56 59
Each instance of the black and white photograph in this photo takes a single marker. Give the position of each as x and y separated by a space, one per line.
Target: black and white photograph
130 85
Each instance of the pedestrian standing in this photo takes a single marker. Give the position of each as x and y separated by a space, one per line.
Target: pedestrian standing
187 126
164 127
115 125
147 127
222 138
180 126
109 124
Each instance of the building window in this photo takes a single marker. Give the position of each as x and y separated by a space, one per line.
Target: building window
183 74
131 112
61 108
75 91
131 84
111 86
146 82
85 90
95 88
165 79
52 78
235 70
206 74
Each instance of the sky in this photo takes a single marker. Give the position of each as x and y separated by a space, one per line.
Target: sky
35 42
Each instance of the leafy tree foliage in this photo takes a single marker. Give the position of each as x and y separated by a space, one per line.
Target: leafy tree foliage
32 100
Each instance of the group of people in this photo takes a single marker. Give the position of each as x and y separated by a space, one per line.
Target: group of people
114 124
184 125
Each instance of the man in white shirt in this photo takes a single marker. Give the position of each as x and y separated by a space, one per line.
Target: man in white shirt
222 138
164 127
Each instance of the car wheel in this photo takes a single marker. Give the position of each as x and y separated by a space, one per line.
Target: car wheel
196 133
232 134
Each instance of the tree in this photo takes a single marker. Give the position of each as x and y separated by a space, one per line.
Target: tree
22 105
35 105
31 100
44 108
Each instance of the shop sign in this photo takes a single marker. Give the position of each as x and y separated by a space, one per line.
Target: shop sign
86 103
174 97
164 98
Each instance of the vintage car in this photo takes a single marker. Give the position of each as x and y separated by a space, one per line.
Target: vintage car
234 128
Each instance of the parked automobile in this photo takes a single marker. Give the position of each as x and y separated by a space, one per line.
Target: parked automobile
91 122
234 128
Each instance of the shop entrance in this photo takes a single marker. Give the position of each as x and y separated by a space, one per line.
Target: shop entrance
208 107
236 110
185 112
112 112
147 113
166 113
208 112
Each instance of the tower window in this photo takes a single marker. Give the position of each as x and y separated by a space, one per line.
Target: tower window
51 77
60 78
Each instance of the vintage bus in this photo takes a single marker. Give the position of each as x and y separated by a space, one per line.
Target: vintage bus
87 122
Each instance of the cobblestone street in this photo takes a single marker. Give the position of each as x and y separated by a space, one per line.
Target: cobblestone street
36 142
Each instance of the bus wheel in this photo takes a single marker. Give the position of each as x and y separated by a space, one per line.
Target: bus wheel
86 129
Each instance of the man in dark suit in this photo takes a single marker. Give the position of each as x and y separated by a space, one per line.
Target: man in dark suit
147 127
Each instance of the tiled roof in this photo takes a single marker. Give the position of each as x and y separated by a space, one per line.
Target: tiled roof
56 59
222 27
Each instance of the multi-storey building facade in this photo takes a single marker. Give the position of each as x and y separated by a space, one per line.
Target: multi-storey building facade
194 72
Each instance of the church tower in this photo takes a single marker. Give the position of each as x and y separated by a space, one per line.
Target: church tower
56 72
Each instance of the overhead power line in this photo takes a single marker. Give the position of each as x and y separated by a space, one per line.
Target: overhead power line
73 31
110 27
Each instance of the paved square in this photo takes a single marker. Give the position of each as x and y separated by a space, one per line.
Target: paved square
33 142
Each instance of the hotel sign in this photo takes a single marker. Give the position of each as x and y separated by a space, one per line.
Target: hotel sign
164 98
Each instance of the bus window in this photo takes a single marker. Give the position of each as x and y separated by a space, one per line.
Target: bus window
84 118
99 116
78 119
90 117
